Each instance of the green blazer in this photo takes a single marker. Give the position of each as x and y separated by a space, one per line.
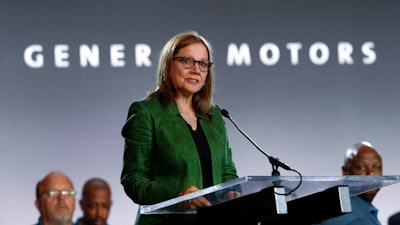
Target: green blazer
160 157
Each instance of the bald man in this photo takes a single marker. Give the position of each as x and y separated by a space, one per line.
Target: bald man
95 203
361 159
55 199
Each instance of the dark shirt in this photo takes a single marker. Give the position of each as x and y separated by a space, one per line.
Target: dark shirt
205 154
40 222
80 222
394 219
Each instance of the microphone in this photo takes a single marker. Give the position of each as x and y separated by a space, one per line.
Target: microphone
275 162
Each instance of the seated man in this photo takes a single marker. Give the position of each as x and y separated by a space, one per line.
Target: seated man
55 199
361 159
95 203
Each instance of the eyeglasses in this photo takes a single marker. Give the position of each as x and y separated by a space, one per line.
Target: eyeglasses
56 193
189 62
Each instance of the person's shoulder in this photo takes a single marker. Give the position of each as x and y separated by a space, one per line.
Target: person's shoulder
345 219
215 109
78 221
148 103
40 222
216 115
359 214
396 215
394 219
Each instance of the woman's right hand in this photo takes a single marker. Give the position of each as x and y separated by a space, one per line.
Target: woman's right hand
194 203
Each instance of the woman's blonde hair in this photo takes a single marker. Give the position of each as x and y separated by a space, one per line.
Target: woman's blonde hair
165 91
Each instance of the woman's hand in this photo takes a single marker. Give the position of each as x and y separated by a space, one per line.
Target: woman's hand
232 194
194 203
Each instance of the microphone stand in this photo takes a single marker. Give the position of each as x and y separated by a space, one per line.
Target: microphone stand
275 162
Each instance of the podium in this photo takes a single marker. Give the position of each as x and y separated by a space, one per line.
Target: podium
275 199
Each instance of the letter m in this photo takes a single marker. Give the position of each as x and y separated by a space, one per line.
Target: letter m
238 56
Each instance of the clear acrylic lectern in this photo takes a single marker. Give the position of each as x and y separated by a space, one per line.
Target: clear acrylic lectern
265 199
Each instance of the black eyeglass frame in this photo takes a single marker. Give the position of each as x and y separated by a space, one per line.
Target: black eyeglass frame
205 64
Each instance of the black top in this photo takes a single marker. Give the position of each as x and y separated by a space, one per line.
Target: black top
205 154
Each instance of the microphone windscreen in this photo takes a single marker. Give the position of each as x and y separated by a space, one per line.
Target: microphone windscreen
225 113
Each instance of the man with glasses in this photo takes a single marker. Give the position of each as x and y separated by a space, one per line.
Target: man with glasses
55 199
